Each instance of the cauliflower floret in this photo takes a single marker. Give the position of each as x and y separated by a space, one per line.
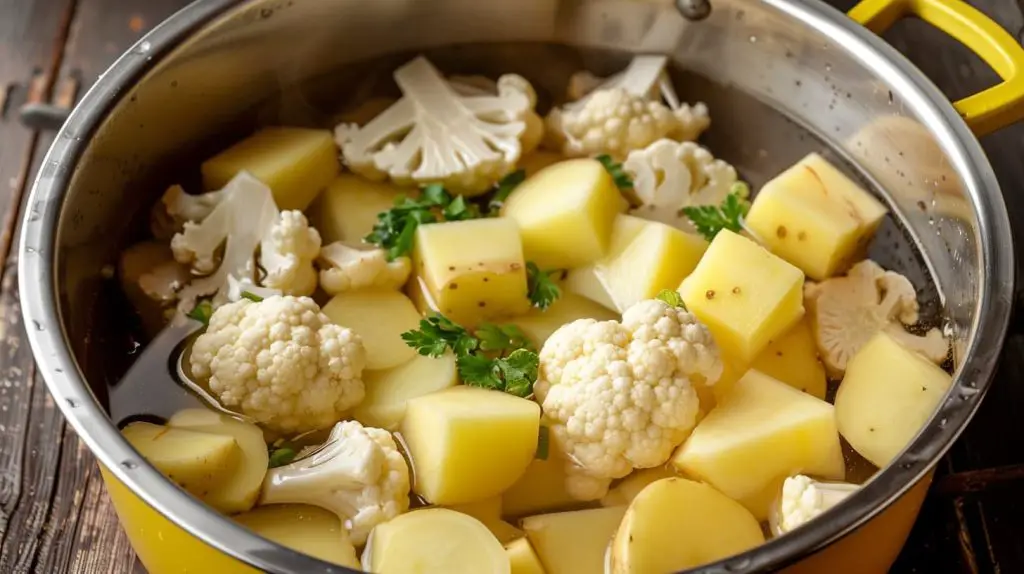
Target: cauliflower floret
483 86
434 135
358 474
176 207
847 311
287 253
616 122
282 362
804 499
351 268
669 175
620 396
644 76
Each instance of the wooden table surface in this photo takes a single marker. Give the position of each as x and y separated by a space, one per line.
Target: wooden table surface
54 514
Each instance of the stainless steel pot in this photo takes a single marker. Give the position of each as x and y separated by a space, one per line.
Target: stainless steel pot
781 77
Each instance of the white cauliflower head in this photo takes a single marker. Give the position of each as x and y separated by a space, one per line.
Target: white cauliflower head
282 362
804 499
847 311
176 207
616 122
358 474
434 135
670 175
620 396
347 268
287 253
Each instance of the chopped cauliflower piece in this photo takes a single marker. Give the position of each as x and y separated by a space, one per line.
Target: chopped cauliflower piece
287 253
616 122
282 362
669 175
483 86
620 395
245 213
176 207
847 311
804 499
347 268
434 135
358 474
645 76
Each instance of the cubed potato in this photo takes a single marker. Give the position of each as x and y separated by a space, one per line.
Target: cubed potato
533 162
793 359
239 490
565 213
387 392
417 291
573 542
469 444
538 325
434 540
473 270
745 295
199 462
676 524
888 394
587 282
347 210
590 281
296 163
504 531
524 560
379 316
762 431
815 217
540 489
488 511
307 529
626 491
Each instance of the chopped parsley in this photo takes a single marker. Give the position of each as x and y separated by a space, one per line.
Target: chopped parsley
202 312
710 219
672 298
251 296
542 289
503 190
395 229
622 179
543 443
281 453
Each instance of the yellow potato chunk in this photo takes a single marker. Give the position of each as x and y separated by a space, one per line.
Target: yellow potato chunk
239 489
469 444
815 217
573 542
541 488
533 162
307 529
626 491
793 359
473 270
379 317
488 511
538 325
387 392
888 394
761 432
296 163
745 295
196 461
347 210
434 540
675 524
524 560
565 213
590 281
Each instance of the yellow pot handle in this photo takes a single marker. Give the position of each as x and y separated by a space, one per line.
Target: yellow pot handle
988 110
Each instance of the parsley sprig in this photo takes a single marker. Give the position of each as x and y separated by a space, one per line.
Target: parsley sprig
503 190
710 219
542 289
622 179
496 357
395 229
672 298
281 453
202 312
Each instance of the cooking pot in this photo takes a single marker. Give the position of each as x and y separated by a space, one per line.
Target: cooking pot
781 77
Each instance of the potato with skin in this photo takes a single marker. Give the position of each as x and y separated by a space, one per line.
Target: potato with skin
674 524
573 542
468 444
199 462
524 560
388 392
793 359
307 529
379 316
241 487
473 270
347 210
888 394
434 540
565 213
296 163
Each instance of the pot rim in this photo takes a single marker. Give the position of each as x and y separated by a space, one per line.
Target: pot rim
48 340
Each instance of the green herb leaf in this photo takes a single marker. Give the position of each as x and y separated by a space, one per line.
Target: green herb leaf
436 334
543 291
501 337
202 312
622 179
504 189
709 219
672 298
479 371
395 228
251 296
281 456
519 371
543 443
